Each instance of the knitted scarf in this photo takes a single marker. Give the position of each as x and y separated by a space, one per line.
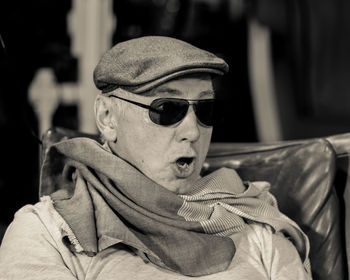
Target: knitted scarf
105 201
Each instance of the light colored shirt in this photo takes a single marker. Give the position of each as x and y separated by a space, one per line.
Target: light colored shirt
33 248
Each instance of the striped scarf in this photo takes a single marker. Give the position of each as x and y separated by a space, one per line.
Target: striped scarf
105 201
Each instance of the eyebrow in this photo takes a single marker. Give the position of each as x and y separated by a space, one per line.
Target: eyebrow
175 92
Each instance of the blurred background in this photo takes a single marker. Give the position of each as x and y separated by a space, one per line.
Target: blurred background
289 70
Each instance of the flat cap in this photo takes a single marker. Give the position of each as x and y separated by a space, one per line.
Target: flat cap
140 64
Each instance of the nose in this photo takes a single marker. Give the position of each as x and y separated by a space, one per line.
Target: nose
188 129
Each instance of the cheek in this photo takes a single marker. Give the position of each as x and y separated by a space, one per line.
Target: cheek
146 119
205 136
156 147
204 142
146 145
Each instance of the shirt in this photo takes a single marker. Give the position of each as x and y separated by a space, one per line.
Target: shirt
33 248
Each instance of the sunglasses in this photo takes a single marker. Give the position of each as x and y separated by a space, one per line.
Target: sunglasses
169 111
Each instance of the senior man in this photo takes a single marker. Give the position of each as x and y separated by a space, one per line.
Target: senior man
136 206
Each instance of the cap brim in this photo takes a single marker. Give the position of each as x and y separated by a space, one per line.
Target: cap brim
151 84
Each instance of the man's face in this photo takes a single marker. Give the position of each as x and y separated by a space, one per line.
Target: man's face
172 156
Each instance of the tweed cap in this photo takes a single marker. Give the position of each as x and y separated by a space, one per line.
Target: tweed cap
140 64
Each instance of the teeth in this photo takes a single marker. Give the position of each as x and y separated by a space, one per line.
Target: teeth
185 166
182 164
184 161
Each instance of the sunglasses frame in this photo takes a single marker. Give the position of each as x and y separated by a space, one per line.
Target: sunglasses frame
149 107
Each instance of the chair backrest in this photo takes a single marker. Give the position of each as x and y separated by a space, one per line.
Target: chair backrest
301 174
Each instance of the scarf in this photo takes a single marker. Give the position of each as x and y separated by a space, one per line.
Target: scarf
105 201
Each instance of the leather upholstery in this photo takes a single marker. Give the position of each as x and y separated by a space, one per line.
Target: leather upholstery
302 174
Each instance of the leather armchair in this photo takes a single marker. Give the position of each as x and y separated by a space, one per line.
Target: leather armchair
309 179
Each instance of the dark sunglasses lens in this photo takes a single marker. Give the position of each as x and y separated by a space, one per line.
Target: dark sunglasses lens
168 111
205 111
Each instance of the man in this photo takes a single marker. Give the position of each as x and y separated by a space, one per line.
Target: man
136 207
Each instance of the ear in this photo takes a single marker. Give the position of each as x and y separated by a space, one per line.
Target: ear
105 120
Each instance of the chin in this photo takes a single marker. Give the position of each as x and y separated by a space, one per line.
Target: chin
184 186
175 186
178 185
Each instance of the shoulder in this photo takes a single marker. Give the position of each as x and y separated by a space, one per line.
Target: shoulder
33 245
31 222
35 228
37 209
254 242
41 214
256 235
267 240
278 254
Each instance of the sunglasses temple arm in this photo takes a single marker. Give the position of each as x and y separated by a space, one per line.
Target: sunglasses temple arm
135 103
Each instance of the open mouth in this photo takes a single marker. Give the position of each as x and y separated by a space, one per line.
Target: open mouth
184 166
184 161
